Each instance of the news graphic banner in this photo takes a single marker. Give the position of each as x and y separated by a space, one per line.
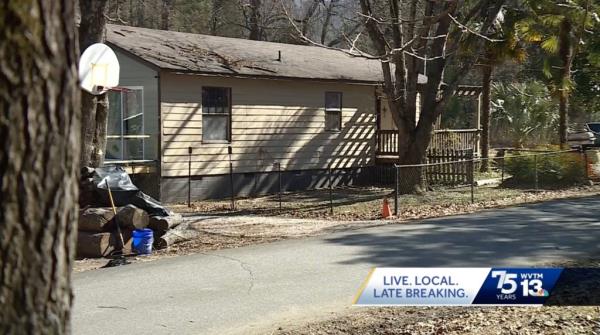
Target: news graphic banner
479 286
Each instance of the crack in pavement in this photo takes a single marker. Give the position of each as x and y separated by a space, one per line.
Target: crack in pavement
112 307
243 265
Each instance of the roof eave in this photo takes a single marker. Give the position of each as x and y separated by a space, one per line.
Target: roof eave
271 77
134 56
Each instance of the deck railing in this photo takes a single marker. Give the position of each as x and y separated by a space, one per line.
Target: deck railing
387 142
450 139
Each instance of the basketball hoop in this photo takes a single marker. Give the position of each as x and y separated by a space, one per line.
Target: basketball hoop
98 69
120 89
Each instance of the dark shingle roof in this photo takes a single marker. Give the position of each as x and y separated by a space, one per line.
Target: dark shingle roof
178 51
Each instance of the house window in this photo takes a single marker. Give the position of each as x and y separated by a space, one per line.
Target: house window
125 129
333 111
216 114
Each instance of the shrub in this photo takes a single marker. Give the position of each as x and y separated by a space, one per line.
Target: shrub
553 170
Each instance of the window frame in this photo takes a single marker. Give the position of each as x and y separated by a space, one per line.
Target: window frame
229 114
122 137
338 111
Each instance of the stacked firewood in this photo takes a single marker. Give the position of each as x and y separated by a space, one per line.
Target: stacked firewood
97 236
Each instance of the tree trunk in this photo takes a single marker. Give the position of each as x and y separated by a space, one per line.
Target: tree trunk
39 139
167 7
140 13
215 16
130 19
94 108
327 21
310 12
566 56
484 143
254 21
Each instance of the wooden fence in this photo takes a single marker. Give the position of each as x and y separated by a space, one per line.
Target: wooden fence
455 139
457 170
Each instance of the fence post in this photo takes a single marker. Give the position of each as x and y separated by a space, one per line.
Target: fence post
330 188
396 189
535 171
502 165
585 164
472 177
189 176
279 177
229 151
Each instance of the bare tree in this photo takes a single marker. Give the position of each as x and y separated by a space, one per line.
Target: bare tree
424 45
167 8
94 108
253 19
140 13
310 12
329 11
341 24
216 12
415 41
263 20
39 135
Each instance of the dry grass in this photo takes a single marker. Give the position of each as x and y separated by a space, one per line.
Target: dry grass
350 204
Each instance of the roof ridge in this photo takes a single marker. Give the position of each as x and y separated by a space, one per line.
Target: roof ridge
111 25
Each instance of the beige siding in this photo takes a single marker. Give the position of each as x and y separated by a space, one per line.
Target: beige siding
272 120
387 121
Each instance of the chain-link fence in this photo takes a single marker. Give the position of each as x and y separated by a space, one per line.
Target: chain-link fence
274 190
448 180
459 178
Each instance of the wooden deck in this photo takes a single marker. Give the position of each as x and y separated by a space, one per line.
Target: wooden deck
443 139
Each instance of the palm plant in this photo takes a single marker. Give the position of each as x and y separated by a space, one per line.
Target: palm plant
558 27
523 113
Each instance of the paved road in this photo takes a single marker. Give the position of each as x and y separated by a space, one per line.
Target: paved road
256 289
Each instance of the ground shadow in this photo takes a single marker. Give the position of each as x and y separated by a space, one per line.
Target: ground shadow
514 236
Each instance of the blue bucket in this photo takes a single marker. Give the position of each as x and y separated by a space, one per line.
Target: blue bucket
142 241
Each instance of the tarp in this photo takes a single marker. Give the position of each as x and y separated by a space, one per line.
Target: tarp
123 190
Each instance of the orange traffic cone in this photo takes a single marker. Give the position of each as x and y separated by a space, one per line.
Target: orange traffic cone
386 211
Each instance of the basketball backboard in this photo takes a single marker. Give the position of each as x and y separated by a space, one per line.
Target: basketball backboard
98 69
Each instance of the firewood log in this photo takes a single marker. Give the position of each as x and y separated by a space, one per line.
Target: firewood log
95 220
131 217
164 223
95 245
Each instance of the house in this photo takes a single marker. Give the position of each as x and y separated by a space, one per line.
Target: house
193 109
189 105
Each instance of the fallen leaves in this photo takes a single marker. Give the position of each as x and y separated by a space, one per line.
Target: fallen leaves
456 320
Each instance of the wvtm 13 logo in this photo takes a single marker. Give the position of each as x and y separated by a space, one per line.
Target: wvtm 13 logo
511 286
